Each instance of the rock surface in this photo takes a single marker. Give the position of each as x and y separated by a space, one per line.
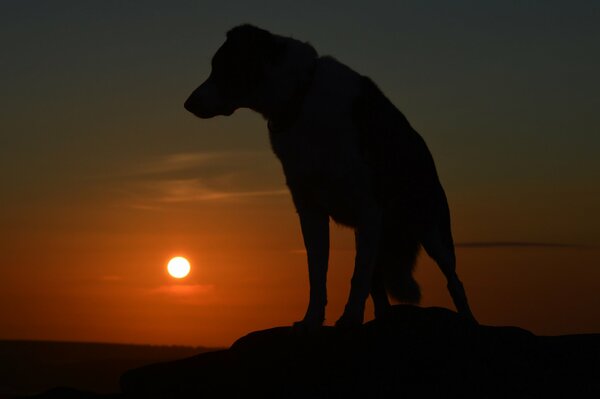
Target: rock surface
424 352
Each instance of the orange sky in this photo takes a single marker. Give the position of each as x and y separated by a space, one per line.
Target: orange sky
105 176
108 280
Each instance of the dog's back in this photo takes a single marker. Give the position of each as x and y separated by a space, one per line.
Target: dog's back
348 129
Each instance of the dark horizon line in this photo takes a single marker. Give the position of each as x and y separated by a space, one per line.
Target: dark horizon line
99 343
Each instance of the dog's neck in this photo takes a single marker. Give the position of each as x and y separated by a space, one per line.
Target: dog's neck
286 113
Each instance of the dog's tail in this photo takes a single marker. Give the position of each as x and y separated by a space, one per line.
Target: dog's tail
399 263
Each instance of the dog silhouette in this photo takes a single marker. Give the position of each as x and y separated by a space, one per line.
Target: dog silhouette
347 154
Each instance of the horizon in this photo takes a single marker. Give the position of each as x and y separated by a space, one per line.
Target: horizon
58 341
107 177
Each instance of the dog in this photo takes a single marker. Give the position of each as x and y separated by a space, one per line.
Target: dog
347 154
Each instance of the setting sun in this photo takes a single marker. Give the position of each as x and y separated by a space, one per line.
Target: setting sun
178 267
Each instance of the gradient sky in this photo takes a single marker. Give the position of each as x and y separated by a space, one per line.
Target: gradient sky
105 176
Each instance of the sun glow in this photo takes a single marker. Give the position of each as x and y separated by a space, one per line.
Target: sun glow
178 267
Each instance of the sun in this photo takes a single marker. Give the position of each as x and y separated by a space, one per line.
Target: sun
178 267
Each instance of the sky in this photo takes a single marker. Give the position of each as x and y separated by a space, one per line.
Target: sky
105 176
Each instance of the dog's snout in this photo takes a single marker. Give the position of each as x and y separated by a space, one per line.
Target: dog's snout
207 101
190 104
197 103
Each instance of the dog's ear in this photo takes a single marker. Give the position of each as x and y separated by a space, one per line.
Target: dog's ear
278 49
249 33
269 46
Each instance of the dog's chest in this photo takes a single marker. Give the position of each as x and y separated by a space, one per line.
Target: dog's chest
320 153
313 150
323 167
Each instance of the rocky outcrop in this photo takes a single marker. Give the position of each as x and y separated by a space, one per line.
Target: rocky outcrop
414 352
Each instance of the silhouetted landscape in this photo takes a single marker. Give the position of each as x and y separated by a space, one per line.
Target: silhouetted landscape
429 352
28 367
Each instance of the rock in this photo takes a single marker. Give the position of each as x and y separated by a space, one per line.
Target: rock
412 352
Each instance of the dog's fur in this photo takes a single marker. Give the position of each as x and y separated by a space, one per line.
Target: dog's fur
347 154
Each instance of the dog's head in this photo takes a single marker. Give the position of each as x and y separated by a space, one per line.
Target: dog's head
252 69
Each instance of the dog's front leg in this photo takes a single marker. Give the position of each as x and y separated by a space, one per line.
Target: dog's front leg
367 236
315 231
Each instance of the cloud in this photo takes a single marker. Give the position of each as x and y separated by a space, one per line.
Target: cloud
521 244
195 177
182 289
186 294
188 161
111 277
197 190
177 162
499 244
154 194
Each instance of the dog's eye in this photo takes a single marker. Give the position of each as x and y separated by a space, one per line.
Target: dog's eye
228 79
235 79
236 72
225 69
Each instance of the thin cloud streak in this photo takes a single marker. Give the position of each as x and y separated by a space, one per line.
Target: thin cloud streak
498 244
184 161
194 190
518 244
111 277
183 289
178 162
215 176
185 294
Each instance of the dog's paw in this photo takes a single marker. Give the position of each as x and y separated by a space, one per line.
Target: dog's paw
468 316
382 312
349 321
307 327
312 321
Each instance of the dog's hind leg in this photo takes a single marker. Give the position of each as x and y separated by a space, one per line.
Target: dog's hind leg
367 235
439 245
381 302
